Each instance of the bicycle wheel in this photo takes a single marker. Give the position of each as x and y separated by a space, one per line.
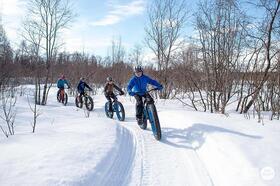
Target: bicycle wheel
144 124
58 96
89 103
65 99
108 114
119 109
153 118
78 102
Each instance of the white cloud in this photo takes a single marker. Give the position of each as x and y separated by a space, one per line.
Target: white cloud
80 36
149 57
12 13
89 45
108 20
120 12
11 7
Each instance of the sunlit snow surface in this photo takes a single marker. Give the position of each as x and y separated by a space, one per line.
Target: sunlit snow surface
197 148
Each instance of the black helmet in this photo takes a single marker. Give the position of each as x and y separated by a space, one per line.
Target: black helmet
109 79
138 68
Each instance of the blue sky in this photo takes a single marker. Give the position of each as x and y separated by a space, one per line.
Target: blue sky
96 24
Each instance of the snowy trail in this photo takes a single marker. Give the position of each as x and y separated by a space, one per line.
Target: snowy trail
139 159
153 163
196 149
159 163
178 159
118 161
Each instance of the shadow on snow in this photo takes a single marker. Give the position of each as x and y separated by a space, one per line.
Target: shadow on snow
194 137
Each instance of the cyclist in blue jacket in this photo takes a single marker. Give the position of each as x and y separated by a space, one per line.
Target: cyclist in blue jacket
61 82
137 87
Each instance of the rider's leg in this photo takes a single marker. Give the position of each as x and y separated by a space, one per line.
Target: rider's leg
114 97
110 101
81 97
61 94
139 108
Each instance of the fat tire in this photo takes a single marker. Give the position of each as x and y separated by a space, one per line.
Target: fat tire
144 124
58 96
108 114
77 102
89 103
153 111
120 113
65 100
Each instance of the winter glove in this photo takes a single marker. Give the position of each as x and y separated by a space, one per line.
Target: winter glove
121 93
159 88
131 93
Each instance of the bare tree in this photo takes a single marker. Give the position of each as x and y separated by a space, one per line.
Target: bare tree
166 20
8 111
46 19
6 59
117 51
136 55
266 32
220 25
33 34
36 113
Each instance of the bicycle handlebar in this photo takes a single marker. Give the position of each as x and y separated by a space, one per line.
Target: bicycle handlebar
153 89
119 94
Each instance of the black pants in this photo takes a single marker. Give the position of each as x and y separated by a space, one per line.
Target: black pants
108 97
81 95
140 104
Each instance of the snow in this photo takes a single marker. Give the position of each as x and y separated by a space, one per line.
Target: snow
197 148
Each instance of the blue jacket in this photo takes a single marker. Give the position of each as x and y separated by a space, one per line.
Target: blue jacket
81 87
139 84
61 83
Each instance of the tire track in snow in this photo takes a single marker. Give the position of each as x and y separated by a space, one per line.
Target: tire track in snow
153 159
144 161
146 173
199 174
115 167
119 172
140 168
157 163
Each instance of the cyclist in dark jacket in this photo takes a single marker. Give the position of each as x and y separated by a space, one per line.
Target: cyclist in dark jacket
81 87
109 91
137 87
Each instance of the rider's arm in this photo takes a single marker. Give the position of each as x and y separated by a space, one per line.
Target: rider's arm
154 83
118 88
86 85
67 83
130 85
57 83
